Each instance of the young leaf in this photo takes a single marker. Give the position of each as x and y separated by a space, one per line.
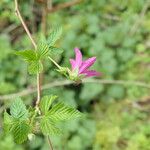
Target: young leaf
55 51
60 112
18 109
27 55
42 50
46 102
35 67
20 131
47 127
54 35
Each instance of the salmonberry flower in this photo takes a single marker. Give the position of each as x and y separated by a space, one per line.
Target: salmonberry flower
80 68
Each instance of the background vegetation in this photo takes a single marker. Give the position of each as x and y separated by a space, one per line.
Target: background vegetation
117 33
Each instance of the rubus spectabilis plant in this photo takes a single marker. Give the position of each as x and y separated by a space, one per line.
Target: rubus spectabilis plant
23 122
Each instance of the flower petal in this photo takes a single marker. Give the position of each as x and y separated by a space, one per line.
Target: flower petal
86 64
78 57
91 73
73 64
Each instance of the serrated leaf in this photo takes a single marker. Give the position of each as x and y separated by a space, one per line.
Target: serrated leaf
54 35
55 51
18 109
60 112
27 55
46 103
35 67
20 131
8 122
47 127
42 50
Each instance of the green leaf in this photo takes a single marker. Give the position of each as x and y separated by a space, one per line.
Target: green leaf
60 112
27 55
48 127
8 122
42 50
54 35
20 131
46 103
35 67
18 109
55 51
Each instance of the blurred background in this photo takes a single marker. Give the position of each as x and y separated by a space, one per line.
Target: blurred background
117 33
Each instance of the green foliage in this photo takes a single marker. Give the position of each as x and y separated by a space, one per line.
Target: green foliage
20 131
46 103
17 123
18 110
48 127
35 67
54 35
99 28
59 112
27 55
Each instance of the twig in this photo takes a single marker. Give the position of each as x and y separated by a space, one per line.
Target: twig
50 143
64 5
67 82
23 24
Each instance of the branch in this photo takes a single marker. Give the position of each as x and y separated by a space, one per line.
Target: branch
67 82
23 24
64 5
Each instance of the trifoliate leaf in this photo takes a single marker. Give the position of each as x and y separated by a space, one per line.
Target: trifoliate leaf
35 67
47 127
27 55
20 131
42 50
46 103
18 109
55 51
60 112
54 35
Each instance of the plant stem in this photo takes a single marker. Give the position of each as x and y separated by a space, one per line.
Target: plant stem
50 143
59 67
38 90
23 24
35 46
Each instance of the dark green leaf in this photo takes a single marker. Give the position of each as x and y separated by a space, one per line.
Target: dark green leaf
18 109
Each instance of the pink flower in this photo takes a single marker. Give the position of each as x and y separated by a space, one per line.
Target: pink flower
80 68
